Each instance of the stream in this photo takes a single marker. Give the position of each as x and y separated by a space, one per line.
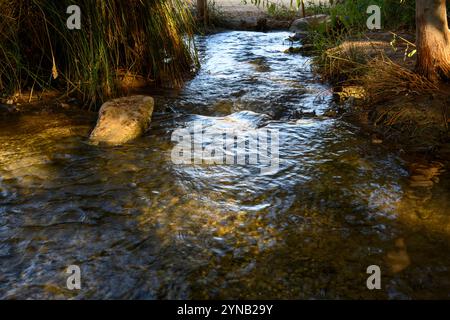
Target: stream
140 226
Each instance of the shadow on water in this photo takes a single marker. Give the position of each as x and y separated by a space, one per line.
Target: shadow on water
141 227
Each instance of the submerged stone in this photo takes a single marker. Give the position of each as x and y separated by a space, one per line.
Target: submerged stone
122 120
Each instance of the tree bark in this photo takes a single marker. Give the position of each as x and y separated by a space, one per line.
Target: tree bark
202 11
433 39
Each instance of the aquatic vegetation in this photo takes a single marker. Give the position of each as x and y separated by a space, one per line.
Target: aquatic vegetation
117 40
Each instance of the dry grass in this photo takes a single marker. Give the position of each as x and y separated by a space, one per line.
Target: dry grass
340 66
382 69
402 106
385 79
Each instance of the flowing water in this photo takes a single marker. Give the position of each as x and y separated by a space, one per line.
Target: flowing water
140 226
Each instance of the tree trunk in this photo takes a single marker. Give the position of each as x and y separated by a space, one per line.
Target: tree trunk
202 11
433 39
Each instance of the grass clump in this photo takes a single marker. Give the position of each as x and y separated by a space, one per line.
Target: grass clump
152 39
339 63
387 79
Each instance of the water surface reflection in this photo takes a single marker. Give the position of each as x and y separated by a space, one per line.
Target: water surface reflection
142 227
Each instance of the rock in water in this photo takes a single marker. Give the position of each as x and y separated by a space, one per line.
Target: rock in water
121 120
303 24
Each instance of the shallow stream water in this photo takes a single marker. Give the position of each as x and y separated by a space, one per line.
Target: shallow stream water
140 226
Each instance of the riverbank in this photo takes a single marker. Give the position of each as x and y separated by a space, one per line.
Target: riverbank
374 82
375 85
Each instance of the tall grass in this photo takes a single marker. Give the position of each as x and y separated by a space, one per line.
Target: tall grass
150 38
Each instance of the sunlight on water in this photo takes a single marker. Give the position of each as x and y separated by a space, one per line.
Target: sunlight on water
140 226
